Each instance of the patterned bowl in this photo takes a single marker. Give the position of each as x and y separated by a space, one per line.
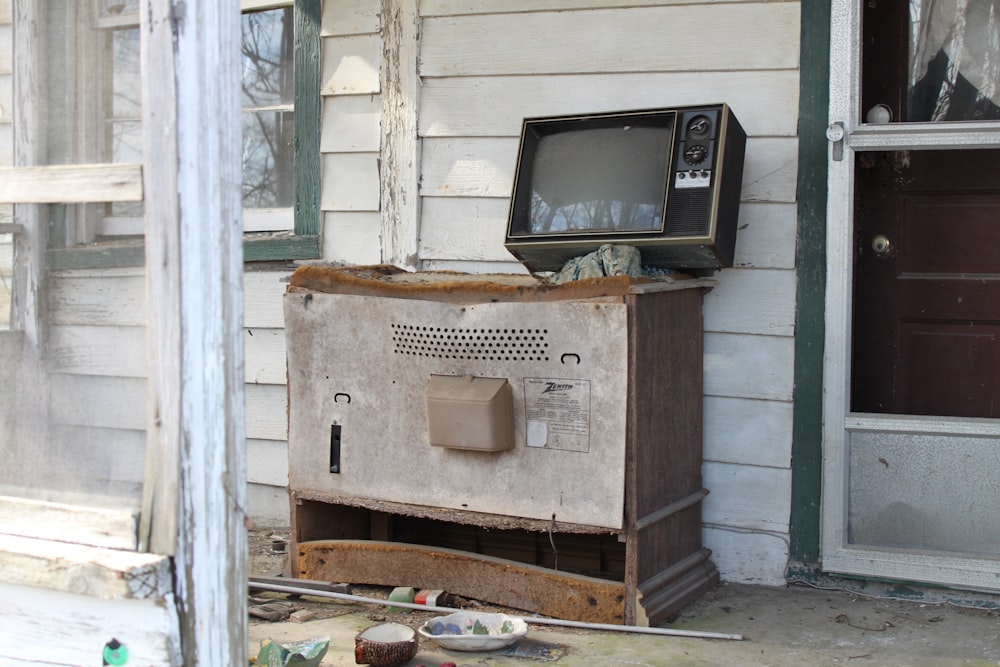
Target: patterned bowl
385 645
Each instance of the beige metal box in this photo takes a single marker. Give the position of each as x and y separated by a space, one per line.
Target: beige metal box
469 412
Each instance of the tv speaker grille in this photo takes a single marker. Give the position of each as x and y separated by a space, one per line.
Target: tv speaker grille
492 344
689 213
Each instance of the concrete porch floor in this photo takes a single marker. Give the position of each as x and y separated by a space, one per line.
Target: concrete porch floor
788 626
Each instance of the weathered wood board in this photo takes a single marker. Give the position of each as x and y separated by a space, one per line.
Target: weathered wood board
508 583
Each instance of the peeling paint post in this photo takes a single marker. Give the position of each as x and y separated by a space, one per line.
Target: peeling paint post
399 166
196 478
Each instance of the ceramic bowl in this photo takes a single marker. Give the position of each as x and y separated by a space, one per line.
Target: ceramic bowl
385 645
471 631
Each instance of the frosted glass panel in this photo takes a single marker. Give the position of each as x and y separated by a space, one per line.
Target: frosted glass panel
925 492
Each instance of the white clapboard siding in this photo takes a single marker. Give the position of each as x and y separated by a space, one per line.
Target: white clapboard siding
682 38
351 124
45 627
352 238
113 454
457 7
744 496
106 350
749 366
5 11
268 506
496 106
748 431
351 65
349 17
94 400
267 413
350 182
265 355
766 236
747 556
756 301
267 462
462 266
6 147
484 167
97 299
473 229
262 292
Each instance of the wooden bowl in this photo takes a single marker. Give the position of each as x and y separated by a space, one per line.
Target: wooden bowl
385 645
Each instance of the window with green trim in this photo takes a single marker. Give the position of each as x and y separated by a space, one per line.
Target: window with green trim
102 124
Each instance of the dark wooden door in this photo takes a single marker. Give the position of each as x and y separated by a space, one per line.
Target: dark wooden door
926 253
927 283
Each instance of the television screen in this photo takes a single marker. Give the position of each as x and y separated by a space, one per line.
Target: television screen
666 181
600 179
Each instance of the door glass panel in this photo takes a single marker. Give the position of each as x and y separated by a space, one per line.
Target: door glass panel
932 60
954 60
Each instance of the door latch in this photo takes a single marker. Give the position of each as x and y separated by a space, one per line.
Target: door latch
835 134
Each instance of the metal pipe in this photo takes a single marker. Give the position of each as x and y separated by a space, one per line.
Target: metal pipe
697 634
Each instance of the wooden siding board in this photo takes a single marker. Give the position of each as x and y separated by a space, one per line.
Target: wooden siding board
748 431
755 301
496 106
61 627
267 462
92 400
747 497
97 300
262 291
351 65
741 365
106 350
267 414
766 236
349 17
265 356
353 238
484 167
350 182
747 556
743 37
473 229
459 7
351 124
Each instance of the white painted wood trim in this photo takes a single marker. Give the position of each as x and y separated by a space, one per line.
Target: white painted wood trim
196 476
77 524
93 571
63 629
400 158
55 184
845 68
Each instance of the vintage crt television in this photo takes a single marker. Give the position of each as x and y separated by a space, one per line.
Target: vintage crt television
664 180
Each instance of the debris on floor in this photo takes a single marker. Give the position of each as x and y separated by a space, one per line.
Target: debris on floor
307 653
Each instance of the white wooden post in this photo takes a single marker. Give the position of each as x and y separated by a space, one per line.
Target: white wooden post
196 478
400 158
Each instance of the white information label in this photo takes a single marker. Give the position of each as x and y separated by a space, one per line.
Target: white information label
557 413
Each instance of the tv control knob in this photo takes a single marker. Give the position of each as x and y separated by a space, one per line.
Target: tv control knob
699 126
695 154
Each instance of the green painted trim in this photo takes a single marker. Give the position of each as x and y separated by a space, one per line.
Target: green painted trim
810 263
276 247
114 254
308 116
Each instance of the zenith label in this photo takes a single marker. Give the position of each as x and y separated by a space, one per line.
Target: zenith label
557 414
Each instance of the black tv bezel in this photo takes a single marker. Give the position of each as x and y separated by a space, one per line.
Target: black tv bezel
532 132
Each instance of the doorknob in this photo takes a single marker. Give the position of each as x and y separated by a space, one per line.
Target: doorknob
881 244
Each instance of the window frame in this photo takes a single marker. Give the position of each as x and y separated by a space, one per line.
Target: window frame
304 241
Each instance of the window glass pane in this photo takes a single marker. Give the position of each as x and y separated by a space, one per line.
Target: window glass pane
267 58
267 159
127 94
